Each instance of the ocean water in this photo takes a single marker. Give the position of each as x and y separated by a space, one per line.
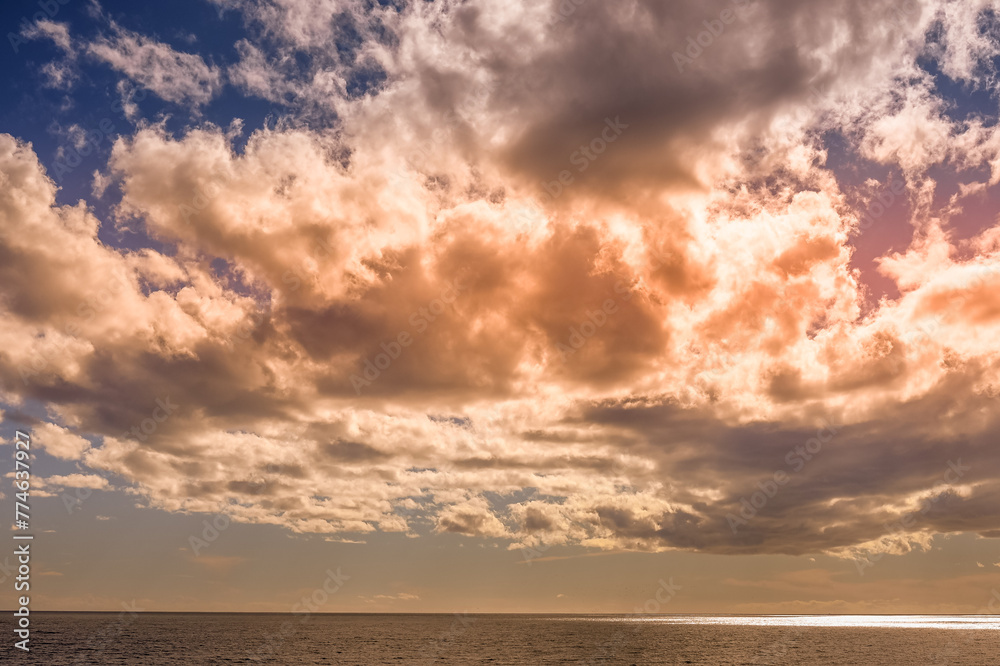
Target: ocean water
193 639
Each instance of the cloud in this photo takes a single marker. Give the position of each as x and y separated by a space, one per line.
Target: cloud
74 481
58 73
402 596
60 442
471 518
404 318
57 33
344 44
218 563
182 78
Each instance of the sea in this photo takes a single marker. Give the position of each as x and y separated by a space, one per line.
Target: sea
193 639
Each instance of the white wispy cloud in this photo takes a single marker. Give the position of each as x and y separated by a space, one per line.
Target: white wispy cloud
182 78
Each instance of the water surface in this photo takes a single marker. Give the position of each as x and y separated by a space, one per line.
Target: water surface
194 639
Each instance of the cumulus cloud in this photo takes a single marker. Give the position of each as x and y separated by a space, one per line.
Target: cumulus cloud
60 442
471 518
313 56
537 283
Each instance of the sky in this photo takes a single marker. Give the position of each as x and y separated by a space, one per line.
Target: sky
504 306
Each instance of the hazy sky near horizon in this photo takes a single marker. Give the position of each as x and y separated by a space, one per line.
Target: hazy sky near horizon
505 305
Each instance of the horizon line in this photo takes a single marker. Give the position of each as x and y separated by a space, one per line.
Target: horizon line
581 614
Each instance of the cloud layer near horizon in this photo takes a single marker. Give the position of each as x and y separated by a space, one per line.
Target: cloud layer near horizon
521 274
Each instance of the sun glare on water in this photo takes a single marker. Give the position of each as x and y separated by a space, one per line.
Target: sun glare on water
886 621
